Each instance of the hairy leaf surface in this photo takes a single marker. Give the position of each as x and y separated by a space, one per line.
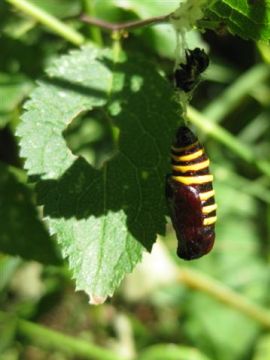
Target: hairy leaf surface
248 19
105 216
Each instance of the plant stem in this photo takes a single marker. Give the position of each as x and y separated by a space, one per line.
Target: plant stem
217 290
234 94
123 26
220 73
264 51
49 20
94 32
224 137
255 129
53 340
256 188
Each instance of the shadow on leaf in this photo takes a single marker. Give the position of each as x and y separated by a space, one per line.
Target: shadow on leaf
140 104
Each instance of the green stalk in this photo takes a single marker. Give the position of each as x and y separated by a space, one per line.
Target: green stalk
224 137
264 50
223 293
257 188
255 129
94 32
220 73
48 20
234 94
53 340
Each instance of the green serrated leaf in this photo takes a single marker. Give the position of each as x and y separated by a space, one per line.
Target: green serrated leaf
21 231
248 19
104 217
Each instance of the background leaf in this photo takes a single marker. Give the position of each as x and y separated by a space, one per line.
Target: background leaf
263 348
21 231
103 217
8 331
63 8
160 38
235 262
8 266
13 89
171 352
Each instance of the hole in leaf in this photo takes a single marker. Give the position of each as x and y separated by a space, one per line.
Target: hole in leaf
92 137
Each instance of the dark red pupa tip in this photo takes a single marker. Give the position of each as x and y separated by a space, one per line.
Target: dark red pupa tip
198 248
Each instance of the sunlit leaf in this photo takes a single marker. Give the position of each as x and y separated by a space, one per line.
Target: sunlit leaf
104 217
248 19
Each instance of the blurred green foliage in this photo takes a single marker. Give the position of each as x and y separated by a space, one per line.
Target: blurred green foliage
147 318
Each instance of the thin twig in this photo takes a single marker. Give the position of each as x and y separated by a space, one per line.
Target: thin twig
123 26
198 281
50 340
232 96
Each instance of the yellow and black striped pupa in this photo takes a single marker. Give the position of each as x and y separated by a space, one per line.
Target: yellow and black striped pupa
190 196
